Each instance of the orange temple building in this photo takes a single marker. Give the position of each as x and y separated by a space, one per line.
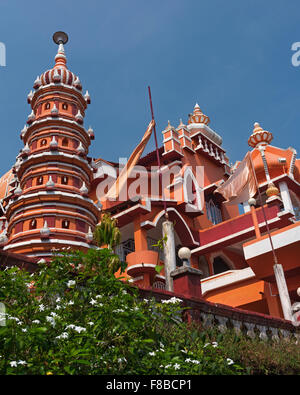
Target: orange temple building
50 199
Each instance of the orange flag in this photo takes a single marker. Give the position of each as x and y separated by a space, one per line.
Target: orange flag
241 185
116 188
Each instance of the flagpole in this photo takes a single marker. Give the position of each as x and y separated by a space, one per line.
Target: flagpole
167 226
278 269
157 156
264 214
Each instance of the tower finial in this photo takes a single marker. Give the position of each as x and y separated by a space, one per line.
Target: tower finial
60 38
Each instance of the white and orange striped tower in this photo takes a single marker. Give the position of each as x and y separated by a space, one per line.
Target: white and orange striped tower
48 206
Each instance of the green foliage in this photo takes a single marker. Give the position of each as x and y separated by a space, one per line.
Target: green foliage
260 357
107 233
80 319
161 242
160 245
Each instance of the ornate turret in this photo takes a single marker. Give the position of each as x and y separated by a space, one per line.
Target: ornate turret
198 116
259 136
50 207
198 123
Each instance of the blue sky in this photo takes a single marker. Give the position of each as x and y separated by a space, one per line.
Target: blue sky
232 57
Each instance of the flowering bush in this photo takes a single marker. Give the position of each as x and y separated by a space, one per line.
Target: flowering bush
74 317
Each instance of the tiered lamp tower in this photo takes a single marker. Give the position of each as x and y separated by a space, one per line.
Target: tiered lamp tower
49 207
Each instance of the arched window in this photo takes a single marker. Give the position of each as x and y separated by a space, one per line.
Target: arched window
213 212
64 180
47 106
220 265
65 224
191 191
40 180
65 142
43 142
32 224
64 106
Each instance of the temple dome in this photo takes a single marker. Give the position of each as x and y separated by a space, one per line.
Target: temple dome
59 73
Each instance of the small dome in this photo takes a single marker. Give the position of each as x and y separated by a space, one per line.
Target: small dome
59 74
259 136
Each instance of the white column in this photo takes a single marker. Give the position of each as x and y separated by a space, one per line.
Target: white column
169 253
285 196
283 292
246 207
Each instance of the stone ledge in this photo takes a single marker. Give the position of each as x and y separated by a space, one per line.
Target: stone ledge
186 269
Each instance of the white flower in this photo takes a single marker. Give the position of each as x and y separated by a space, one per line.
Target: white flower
71 326
70 283
124 292
64 335
205 345
41 307
91 323
176 366
51 320
98 296
53 314
185 352
214 344
173 300
152 354
71 302
120 360
188 360
93 301
58 300
36 322
118 311
13 364
79 329
57 307
229 361
24 330
195 362
22 362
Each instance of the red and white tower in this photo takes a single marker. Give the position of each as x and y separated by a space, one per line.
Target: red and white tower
48 206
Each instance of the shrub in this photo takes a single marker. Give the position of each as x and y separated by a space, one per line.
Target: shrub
74 317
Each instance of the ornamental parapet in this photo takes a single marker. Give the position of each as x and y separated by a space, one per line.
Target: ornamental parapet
221 317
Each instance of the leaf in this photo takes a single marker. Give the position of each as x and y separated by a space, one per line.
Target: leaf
159 268
83 361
